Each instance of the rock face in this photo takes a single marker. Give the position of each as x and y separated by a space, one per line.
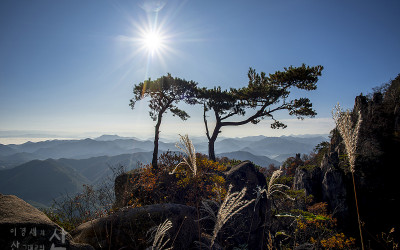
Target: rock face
24 227
247 227
251 219
309 180
375 171
127 228
334 189
122 189
325 183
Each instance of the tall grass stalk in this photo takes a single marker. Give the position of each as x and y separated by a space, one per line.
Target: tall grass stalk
186 145
232 204
349 133
159 234
272 188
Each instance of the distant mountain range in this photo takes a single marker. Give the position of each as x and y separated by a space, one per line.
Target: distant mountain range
41 181
271 148
41 171
112 145
244 155
95 169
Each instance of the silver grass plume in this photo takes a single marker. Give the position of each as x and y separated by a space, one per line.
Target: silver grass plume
187 147
350 138
232 204
207 208
349 134
160 232
273 187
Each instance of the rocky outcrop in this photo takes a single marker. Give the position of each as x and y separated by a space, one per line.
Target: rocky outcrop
333 188
308 179
25 227
122 189
128 228
246 227
246 175
375 171
326 183
249 227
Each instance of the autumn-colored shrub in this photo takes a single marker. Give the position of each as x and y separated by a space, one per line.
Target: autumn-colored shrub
291 164
338 241
318 227
151 187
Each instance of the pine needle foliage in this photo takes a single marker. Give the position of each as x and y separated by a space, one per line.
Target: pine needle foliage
163 95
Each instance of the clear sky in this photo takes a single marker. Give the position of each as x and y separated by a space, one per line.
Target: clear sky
67 67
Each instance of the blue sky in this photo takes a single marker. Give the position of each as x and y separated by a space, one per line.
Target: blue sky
68 67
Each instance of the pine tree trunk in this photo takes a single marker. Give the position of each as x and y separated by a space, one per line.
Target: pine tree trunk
211 150
211 142
156 139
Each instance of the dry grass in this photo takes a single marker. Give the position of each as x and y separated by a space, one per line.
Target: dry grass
348 131
187 147
158 235
273 187
232 204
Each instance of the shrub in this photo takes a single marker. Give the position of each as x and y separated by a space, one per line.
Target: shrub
315 226
93 202
152 187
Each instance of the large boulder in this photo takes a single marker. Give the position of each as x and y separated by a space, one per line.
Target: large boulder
123 189
128 228
244 228
249 224
24 227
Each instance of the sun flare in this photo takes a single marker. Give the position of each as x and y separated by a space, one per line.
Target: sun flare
153 41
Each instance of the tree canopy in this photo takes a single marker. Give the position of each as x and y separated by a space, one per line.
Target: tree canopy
164 93
264 95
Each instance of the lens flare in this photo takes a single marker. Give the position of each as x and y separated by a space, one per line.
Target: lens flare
152 41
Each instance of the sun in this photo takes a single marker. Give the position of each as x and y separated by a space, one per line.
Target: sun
153 41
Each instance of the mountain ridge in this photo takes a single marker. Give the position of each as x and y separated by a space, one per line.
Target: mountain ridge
271 147
41 181
72 163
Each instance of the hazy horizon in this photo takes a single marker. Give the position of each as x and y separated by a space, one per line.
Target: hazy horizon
20 137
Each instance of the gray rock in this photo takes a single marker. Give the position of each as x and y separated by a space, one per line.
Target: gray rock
122 189
25 227
309 180
334 189
127 228
249 225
